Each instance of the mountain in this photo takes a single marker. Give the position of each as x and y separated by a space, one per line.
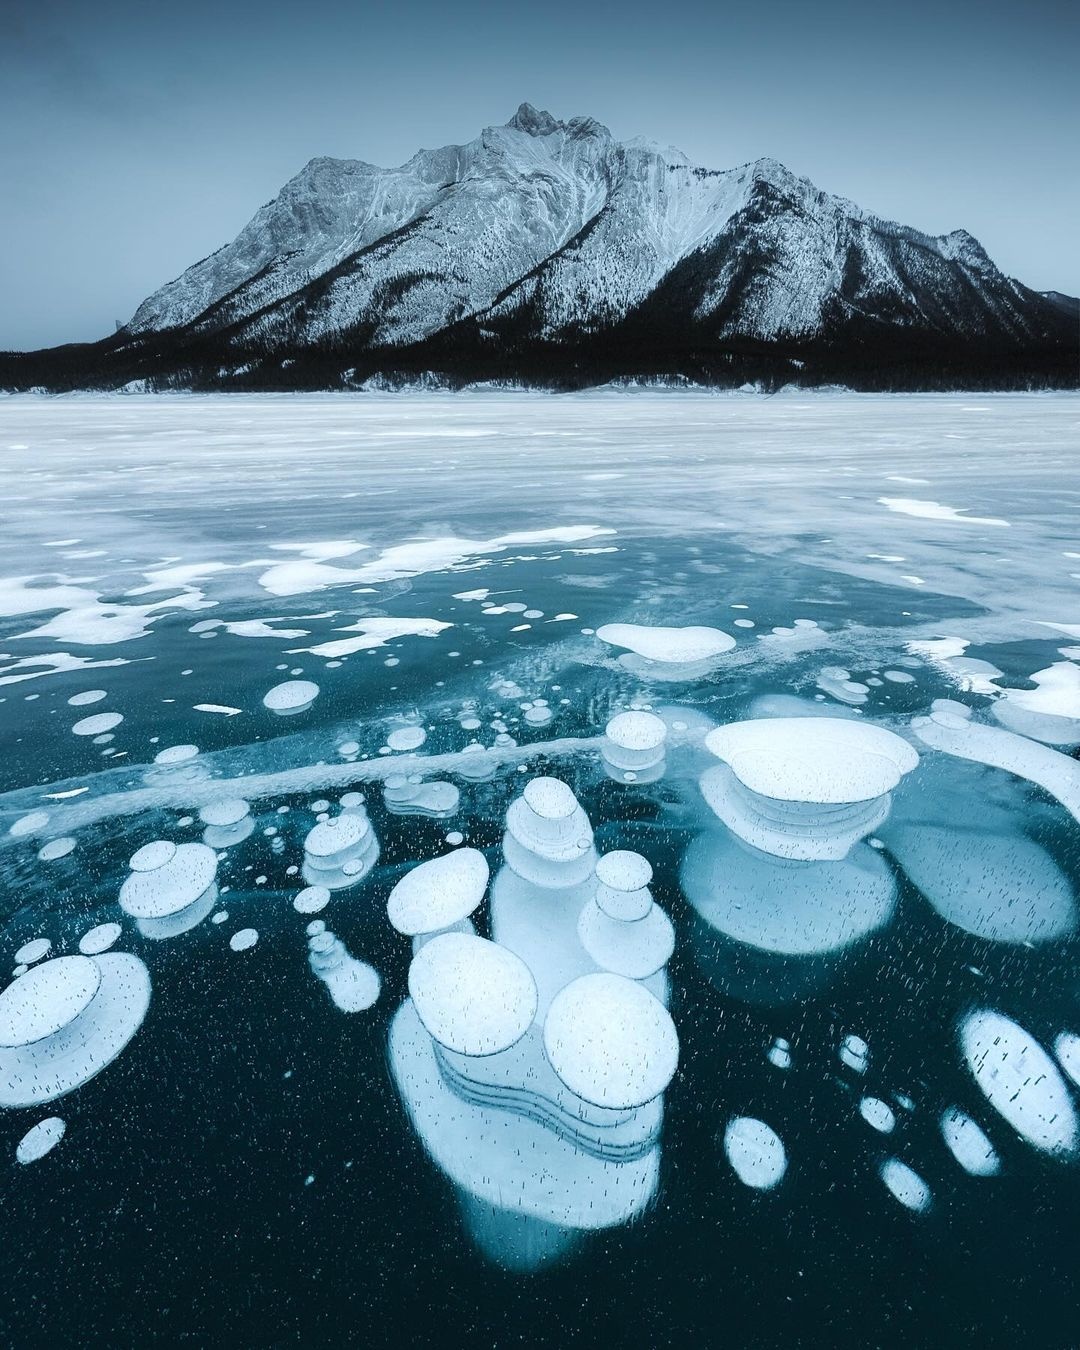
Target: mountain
546 251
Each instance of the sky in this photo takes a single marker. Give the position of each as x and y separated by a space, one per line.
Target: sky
135 137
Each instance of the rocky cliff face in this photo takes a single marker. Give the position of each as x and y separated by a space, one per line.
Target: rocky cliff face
545 244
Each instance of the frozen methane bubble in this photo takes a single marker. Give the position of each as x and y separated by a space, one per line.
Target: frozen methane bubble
100 939
1067 1050
633 747
56 849
242 940
804 787
636 946
999 886
548 838
152 856
611 1041
878 1115
98 724
228 811
949 728
29 824
352 984
293 696
406 738
409 795
671 646
228 821
87 696
176 754
65 1020
1048 713
789 914
40 1139
33 951
311 900
906 1185
967 1142
340 851
176 894
438 893
1020 1081
854 1052
622 885
472 995
755 1152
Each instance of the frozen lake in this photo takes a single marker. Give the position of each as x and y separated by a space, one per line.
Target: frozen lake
264 650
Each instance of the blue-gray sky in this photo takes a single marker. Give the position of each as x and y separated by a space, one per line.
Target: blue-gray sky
137 137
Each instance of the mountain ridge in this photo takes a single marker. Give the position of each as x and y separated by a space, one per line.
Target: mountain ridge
546 251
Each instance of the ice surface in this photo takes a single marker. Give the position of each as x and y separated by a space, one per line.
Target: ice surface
756 1152
771 504
913 506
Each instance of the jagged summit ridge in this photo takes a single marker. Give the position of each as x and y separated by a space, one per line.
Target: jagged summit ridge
549 245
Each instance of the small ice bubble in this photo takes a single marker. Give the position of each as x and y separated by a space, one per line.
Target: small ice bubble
967 1142
40 1139
854 1052
906 1185
293 696
33 951
245 938
756 1153
99 939
1020 1081
100 722
406 738
311 900
87 696
176 754
877 1114
56 849
31 823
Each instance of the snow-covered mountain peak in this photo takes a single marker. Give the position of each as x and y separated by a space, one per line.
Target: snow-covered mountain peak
543 234
534 121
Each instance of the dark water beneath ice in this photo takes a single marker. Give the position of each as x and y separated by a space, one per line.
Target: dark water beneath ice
249 1171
